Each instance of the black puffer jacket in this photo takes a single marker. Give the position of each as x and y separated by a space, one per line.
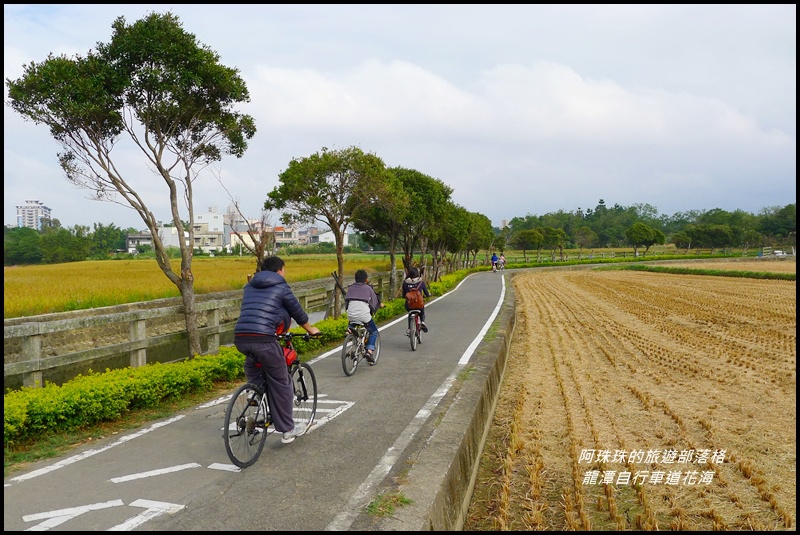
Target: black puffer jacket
267 304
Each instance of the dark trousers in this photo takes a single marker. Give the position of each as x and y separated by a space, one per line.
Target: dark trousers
265 365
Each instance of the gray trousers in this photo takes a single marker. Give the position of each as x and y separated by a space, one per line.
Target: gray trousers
265 365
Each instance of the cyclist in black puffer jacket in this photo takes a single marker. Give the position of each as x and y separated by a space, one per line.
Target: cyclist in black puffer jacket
268 308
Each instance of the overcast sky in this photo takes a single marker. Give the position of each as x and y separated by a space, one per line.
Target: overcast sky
522 110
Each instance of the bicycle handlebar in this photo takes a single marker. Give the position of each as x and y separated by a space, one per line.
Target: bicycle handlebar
289 335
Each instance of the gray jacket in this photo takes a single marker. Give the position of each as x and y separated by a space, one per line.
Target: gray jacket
361 291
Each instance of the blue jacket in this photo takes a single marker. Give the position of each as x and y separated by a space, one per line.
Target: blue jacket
268 306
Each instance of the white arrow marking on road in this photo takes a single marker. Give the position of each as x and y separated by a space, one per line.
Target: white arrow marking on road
153 510
59 516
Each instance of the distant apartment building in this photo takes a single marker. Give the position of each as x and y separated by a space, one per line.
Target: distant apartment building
214 220
31 214
204 239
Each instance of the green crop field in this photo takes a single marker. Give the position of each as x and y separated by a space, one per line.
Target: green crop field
42 289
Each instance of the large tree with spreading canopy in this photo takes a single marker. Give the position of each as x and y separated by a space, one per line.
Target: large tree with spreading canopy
156 88
331 187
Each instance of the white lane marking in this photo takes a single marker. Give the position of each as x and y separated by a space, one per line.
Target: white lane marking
224 467
151 473
359 499
89 453
213 402
478 339
344 520
153 509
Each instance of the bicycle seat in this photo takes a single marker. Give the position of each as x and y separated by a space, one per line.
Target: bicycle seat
355 327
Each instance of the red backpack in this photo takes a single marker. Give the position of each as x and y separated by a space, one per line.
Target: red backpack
414 298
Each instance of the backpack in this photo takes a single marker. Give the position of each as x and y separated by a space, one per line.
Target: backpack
414 298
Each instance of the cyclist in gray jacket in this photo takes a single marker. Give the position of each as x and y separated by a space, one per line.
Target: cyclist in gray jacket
361 302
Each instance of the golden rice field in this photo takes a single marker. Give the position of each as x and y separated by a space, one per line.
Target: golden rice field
645 401
32 290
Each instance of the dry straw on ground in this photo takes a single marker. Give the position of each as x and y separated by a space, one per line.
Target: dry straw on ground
645 362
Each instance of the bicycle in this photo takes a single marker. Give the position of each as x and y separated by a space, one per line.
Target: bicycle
354 347
248 421
414 331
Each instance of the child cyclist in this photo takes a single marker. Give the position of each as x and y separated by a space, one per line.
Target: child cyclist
361 302
412 282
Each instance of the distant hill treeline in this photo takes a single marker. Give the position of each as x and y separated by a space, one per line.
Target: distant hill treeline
601 226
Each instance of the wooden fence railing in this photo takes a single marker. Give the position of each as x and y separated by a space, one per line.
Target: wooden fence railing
36 346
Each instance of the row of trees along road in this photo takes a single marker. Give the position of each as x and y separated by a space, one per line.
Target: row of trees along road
712 229
157 87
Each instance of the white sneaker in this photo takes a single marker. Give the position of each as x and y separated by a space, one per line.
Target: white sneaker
289 436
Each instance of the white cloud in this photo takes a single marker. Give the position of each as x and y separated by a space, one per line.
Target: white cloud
520 109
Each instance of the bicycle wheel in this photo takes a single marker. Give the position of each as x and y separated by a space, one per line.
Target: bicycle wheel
244 440
376 353
305 394
350 354
414 330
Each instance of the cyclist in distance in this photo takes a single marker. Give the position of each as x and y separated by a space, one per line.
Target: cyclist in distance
414 281
494 261
361 302
268 308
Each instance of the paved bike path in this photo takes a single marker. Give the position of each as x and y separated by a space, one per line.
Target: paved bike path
174 474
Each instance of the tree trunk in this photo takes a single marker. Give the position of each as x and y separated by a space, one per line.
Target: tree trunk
337 310
190 314
393 286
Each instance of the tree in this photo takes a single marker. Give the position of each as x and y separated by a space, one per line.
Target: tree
527 239
382 221
428 199
331 187
779 223
584 237
450 236
480 236
682 240
554 239
748 239
260 241
105 239
21 245
637 235
718 236
154 82
656 238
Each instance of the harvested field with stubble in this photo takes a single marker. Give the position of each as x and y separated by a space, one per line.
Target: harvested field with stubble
645 401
